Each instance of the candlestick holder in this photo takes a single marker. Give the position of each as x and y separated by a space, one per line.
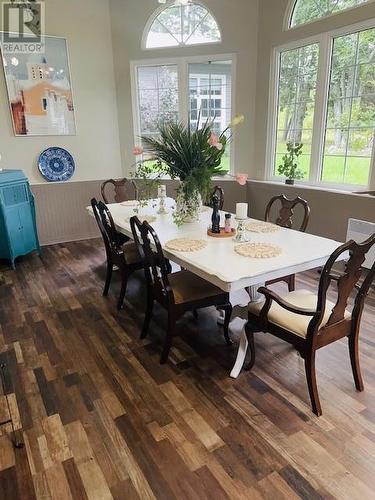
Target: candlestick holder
162 210
241 236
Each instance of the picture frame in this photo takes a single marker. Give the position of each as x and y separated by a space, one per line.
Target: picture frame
39 88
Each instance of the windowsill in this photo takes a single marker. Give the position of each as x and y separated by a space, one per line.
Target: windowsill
309 187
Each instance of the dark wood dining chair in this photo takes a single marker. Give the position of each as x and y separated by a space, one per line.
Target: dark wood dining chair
285 218
177 292
124 189
309 321
124 256
219 192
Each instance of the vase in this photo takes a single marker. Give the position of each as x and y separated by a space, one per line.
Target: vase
290 182
188 205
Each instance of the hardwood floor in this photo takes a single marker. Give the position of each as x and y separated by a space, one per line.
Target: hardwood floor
101 418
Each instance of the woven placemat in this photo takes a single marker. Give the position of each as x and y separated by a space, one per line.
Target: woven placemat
129 203
143 218
261 227
258 250
185 245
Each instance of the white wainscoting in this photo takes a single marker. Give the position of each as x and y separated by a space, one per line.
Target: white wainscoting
61 211
61 208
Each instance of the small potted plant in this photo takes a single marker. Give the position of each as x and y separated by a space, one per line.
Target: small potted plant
289 167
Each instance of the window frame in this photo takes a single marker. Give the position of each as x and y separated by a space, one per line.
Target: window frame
287 23
182 64
163 7
325 42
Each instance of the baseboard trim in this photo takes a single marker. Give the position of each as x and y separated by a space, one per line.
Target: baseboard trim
69 239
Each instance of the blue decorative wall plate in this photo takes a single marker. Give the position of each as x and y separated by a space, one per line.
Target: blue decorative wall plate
56 164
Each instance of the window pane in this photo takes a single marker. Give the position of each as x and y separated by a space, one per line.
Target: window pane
350 125
183 25
311 10
157 96
296 102
210 90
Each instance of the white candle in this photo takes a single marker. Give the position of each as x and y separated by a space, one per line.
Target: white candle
162 190
241 210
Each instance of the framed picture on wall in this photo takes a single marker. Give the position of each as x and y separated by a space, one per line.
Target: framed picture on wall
40 90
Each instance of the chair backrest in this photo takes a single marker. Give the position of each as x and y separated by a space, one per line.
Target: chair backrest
110 234
124 189
103 232
219 192
346 283
153 260
286 213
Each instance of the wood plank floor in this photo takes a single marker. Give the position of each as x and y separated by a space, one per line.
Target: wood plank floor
102 419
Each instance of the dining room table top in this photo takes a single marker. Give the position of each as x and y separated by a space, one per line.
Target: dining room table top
218 262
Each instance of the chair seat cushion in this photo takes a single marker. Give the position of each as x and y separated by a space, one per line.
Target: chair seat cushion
188 287
295 323
131 253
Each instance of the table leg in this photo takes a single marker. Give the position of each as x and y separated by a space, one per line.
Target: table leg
242 348
241 355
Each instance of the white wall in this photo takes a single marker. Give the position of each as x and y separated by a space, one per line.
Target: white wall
96 148
238 20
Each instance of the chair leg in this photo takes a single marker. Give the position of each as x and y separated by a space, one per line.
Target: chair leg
148 314
168 338
250 339
228 313
124 284
168 265
292 283
354 359
108 278
195 313
311 383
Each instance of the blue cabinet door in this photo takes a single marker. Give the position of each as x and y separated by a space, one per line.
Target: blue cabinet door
27 228
14 228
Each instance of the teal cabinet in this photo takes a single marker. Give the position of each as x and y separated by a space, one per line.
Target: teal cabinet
18 232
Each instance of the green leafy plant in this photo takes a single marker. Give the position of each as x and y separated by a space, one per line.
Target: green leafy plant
289 167
147 176
194 157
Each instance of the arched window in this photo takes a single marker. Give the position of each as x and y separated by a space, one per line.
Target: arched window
181 23
305 11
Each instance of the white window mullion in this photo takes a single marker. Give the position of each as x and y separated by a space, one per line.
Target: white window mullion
183 91
135 104
372 167
320 115
272 115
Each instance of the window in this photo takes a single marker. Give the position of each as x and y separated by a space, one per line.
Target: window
350 122
305 11
296 101
210 91
157 95
184 89
326 100
182 24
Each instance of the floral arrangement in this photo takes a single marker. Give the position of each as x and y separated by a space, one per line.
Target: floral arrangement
192 156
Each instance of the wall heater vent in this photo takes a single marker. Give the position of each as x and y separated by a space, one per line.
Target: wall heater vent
359 231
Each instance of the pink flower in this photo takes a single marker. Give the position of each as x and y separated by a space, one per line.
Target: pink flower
213 139
137 150
215 142
241 179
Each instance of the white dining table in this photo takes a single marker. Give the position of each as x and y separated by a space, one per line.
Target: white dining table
218 262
